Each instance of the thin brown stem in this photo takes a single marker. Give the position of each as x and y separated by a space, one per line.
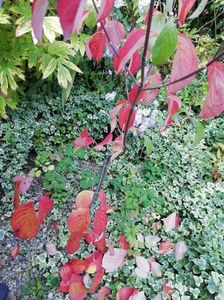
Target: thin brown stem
151 7
113 47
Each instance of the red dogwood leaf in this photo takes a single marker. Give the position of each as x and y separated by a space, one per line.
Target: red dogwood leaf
70 13
105 9
24 221
103 293
112 261
45 206
214 102
154 80
97 279
132 95
83 141
106 141
73 243
185 62
116 32
79 220
135 41
165 247
171 222
66 272
114 112
78 266
96 46
39 8
180 250
123 117
77 291
174 105
84 199
15 251
100 222
123 242
134 64
24 182
126 292
184 8
64 286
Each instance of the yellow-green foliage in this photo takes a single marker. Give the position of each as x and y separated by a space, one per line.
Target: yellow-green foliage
20 52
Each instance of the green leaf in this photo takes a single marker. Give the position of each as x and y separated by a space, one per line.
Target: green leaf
70 65
200 133
165 44
148 144
64 76
199 9
91 20
66 92
50 68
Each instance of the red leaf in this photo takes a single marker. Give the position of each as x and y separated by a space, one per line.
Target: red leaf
24 182
132 95
103 202
77 291
39 9
106 141
103 293
97 279
24 221
84 199
83 141
154 80
126 292
185 62
165 247
45 206
66 272
15 251
114 112
105 9
116 32
78 266
214 102
171 222
100 245
73 243
96 46
134 64
70 13
100 222
79 220
123 242
123 117
82 19
84 133
64 286
174 105
113 261
184 8
135 41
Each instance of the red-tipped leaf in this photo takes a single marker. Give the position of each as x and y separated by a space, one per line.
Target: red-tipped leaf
214 102
185 62
174 105
24 221
105 9
96 46
70 13
123 117
45 206
39 9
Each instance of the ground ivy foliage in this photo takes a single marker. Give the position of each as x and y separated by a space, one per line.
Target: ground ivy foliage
142 187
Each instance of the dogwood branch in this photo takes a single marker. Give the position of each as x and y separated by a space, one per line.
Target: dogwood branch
113 47
186 76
